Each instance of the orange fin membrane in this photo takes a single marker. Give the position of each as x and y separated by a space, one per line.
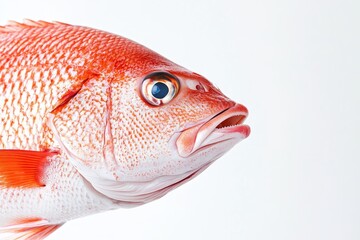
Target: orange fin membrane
13 26
28 230
22 168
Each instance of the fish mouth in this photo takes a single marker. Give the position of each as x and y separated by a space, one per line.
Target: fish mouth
225 126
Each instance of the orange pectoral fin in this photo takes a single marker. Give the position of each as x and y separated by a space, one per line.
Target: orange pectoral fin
22 168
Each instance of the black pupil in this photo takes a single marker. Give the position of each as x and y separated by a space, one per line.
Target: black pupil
160 90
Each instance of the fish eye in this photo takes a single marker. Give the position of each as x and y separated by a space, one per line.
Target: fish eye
159 88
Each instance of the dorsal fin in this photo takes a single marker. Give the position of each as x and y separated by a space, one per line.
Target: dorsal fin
13 26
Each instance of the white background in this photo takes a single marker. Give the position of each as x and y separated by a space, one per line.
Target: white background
296 66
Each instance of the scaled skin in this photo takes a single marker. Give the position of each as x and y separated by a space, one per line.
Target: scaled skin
76 90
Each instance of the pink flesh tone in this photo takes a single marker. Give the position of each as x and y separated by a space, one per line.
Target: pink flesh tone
224 126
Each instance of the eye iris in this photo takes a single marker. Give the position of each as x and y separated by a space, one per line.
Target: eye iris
159 90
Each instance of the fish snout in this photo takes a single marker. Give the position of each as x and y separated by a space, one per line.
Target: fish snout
225 126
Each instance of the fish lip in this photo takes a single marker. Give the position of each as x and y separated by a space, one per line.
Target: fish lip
224 126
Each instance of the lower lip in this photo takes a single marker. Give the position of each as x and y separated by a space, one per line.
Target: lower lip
242 129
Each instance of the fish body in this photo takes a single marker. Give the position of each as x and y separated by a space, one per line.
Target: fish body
91 121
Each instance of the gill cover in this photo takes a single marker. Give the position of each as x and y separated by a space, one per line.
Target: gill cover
81 126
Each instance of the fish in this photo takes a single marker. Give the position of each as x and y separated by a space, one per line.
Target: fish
91 121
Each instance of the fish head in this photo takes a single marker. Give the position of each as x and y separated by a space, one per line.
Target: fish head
169 127
145 125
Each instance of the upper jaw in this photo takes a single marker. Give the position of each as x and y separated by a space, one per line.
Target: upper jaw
223 126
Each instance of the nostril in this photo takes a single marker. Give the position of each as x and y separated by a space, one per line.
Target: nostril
200 87
196 85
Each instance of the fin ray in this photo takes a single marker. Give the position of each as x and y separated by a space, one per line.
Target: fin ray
14 26
33 229
22 168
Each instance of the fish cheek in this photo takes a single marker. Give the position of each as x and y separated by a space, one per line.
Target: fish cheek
139 132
